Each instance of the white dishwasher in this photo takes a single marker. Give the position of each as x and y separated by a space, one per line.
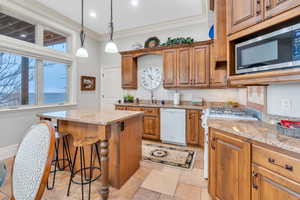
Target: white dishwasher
172 126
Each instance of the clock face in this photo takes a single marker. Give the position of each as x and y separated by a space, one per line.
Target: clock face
151 77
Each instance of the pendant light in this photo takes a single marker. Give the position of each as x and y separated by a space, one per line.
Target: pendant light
111 47
82 52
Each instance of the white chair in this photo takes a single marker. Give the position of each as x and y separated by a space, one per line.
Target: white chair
33 163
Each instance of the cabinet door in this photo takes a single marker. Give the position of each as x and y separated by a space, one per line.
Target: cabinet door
200 72
193 126
230 166
129 72
220 39
183 67
169 65
151 127
243 14
269 185
275 7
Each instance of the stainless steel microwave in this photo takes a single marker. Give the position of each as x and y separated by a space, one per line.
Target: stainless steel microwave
279 49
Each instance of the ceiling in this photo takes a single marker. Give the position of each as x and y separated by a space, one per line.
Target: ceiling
126 16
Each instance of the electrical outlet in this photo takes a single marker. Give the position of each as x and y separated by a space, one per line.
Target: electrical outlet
286 105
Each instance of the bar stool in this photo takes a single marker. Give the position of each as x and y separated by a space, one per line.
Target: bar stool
66 157
80 143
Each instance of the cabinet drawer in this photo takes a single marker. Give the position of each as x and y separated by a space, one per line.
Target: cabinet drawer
130 108
151 111
277 162
120 107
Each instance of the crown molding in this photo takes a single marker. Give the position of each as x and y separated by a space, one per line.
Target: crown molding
167 25
49 14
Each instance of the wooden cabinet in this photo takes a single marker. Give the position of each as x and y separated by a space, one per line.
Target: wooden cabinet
243 14
276 7
194 130
269 185
220 40
152 123
230 167
218 71
200 66
184 71
129 72
169 67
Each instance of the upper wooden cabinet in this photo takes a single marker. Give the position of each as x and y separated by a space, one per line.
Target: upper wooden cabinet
129 72
184 66
184 71
220 40
230 167
275 7
200 66
169 67
242 14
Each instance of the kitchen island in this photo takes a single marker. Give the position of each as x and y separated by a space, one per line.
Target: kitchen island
119 134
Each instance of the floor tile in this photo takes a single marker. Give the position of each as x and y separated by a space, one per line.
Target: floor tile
144 194
205 195
193 177
162 182
166 197
142 172
187 192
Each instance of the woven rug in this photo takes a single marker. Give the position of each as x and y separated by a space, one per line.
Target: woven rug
167 155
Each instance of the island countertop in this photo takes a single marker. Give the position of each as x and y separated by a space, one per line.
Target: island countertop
257 131
96 117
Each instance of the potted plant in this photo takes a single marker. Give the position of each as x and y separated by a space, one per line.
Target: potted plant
128 99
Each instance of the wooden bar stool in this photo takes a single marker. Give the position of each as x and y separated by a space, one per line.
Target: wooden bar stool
80 143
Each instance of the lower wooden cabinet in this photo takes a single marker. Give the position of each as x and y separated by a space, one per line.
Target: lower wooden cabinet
230 167
194 130
241 170
267 185
151 127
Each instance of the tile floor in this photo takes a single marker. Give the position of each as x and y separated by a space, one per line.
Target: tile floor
151 182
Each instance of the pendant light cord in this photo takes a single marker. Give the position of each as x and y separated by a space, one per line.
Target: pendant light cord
82 34
111 21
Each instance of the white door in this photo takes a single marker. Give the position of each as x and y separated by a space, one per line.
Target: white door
111 90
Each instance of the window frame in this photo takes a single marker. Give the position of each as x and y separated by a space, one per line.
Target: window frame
40 53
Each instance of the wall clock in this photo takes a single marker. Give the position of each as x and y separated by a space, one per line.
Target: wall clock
151 77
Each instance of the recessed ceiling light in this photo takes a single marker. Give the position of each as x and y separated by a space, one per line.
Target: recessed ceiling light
23 35
134 3
93 14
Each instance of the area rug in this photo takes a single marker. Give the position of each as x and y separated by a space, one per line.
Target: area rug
168 155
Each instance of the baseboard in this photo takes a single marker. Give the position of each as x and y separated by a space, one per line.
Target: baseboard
8 151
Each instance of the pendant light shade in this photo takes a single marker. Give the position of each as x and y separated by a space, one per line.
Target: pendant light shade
111 47
82 52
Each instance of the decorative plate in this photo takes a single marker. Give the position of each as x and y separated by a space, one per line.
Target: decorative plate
151 77
152 42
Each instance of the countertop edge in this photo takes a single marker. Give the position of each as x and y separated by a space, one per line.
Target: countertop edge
135 114
257 139
182 106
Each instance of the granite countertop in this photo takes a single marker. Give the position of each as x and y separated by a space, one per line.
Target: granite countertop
257 131
100 117
159 105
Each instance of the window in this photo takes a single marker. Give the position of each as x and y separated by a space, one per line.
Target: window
17 80
15 28
55 82
30 74
55 41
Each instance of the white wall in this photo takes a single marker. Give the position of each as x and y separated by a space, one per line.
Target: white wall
199 32
284 99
